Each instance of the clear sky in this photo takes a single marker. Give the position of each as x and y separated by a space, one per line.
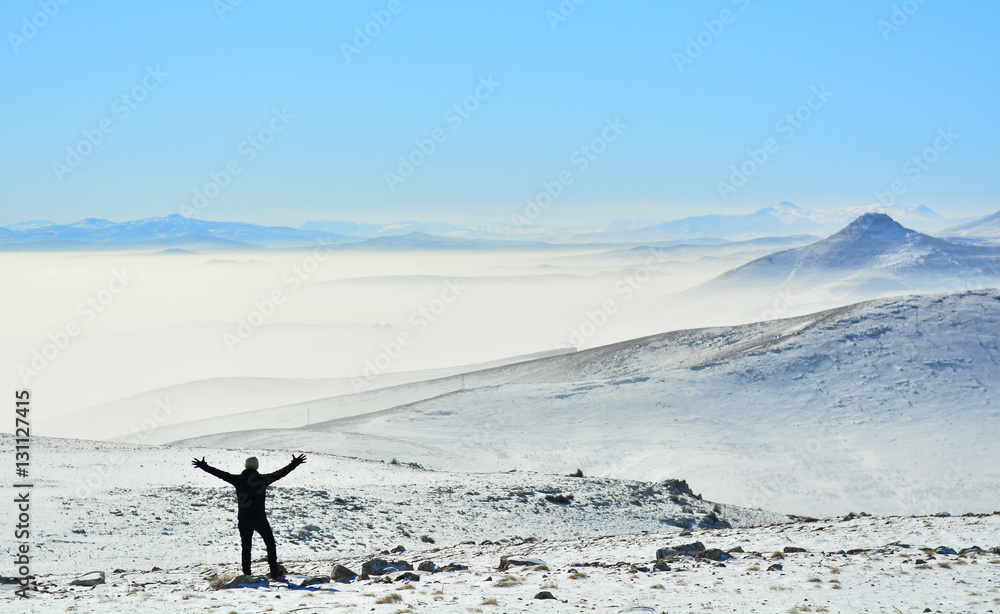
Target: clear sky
122 109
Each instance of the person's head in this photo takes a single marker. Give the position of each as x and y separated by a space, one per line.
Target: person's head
252 463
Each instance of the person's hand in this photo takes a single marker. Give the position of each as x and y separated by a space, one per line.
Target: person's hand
298 460
200 464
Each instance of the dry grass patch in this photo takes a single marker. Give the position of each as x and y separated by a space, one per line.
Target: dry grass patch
219 579
390 598
489 601
509 581
576 575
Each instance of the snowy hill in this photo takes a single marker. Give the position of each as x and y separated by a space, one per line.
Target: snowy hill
988 227
886 406
159 532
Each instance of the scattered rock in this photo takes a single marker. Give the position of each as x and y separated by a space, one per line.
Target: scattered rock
711 520
685 549
661 566
397 550
92 578
379 567
427 539
775 567
919 562
944 550
560 499
342 574
545 595
508 561
713 554
578 474
408 576
454 567
677 487
790 549
427 566
972 550
738 549
245 581
9 580
315 580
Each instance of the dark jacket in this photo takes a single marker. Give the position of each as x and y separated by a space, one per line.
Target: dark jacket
251 488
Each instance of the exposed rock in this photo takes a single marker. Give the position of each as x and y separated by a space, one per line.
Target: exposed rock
245 581
677 487
944 550
578 474
791 549
427 539
315 580
661 566
711 520
508 561
545 595
972 550
560 499
408 576
775 567
685 549
428 566
92 578
713 554
738 549
454 567
342 574
378 567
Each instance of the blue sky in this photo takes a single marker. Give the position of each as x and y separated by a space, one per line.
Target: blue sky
171 94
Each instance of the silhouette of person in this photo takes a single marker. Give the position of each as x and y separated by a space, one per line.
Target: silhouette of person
251 491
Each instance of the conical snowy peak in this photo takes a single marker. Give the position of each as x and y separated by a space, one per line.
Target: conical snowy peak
876 226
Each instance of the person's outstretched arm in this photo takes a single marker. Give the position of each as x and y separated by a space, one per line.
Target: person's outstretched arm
219 473
270 478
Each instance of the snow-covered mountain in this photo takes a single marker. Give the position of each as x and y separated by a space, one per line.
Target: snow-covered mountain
784 219
987 227
887 406
873 256
174 226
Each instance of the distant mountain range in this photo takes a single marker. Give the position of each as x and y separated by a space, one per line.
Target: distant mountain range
95 230
782 220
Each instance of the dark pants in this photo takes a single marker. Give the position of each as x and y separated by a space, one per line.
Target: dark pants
260 525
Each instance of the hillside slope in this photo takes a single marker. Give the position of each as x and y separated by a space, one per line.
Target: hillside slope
888 406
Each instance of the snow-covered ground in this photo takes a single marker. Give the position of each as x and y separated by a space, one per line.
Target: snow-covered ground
887 407
160 530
